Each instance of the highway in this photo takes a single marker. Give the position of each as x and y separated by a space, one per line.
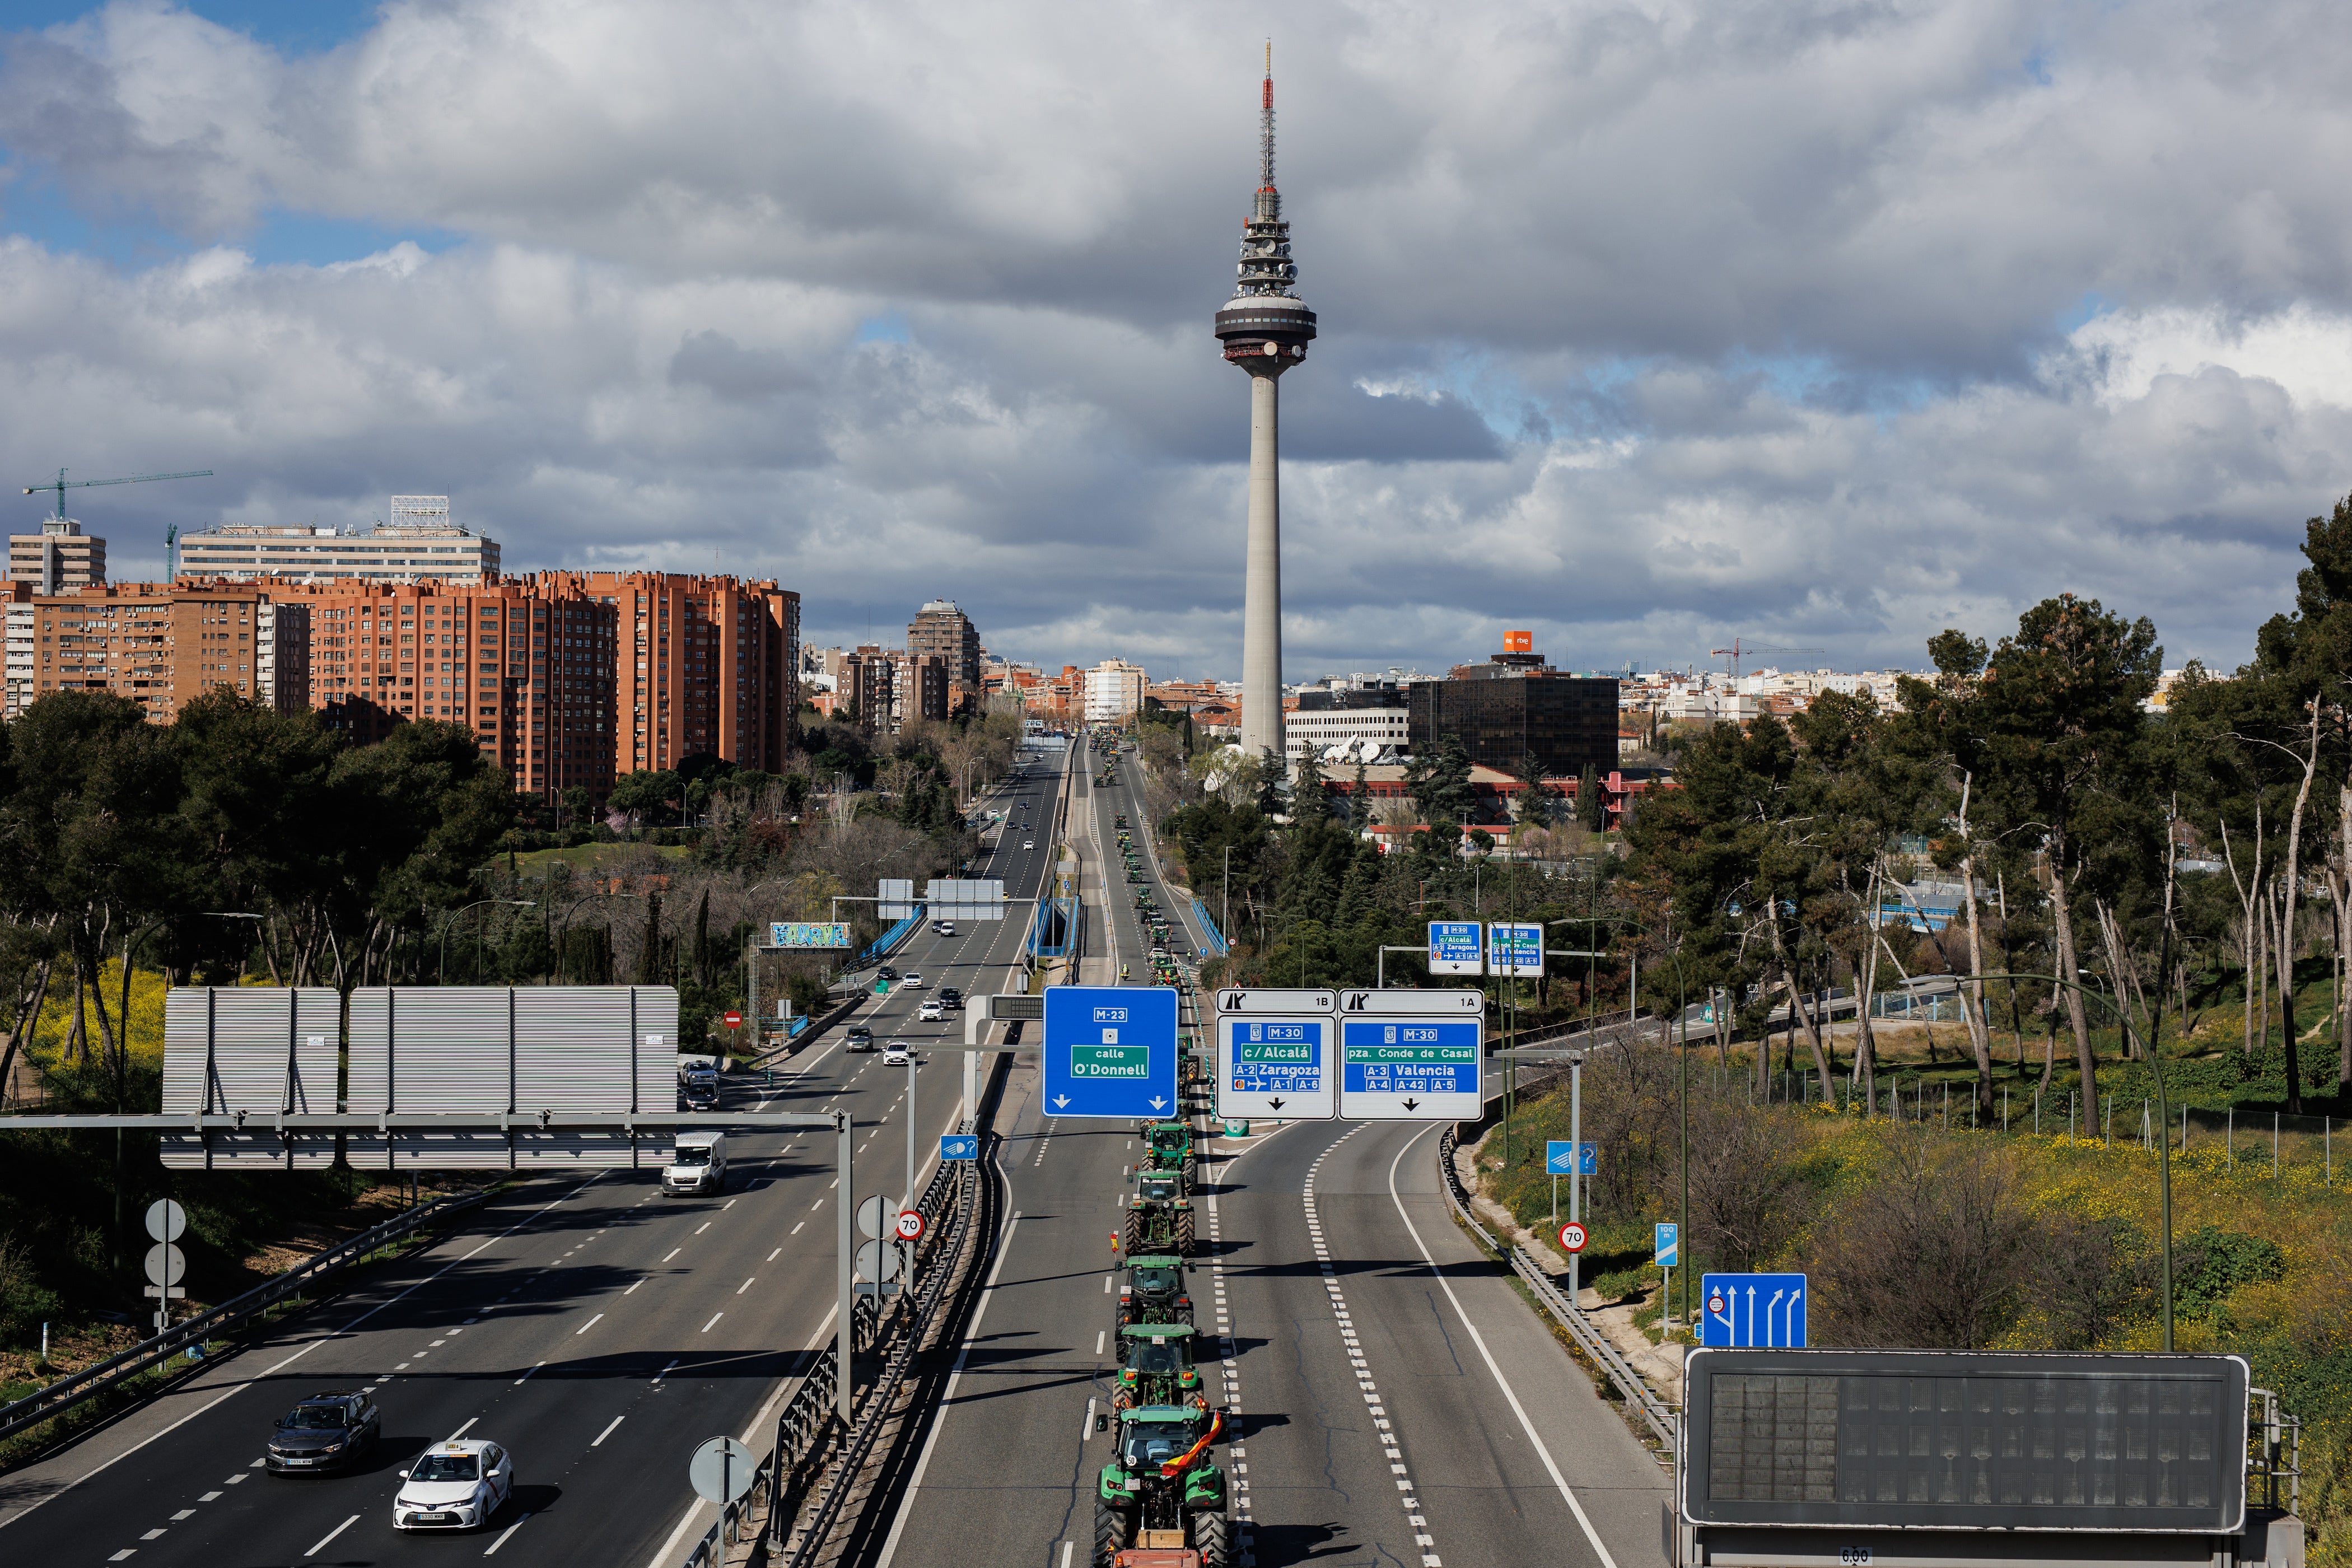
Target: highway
1398 1402
597 1330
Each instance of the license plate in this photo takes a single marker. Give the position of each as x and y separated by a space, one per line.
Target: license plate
299 1461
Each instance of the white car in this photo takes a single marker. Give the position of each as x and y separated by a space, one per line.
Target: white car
930 1011
1028 844
914 981
894 1055
454 1485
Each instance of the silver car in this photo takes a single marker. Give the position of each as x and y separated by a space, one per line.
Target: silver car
454 1485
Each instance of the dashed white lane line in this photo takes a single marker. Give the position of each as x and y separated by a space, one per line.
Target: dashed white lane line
632 1290
607 1431
673 1253
706 1225
1244 1529
462 1430
330 1535
526 1376
714 1322
588 1325
501 1541
665 1371
780 1251
746 1285
1365 1384
1591 1535
796 1230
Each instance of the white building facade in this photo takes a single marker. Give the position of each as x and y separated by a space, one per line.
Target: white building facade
419 545
1114 690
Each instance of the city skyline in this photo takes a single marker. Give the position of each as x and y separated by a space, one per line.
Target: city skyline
1703 378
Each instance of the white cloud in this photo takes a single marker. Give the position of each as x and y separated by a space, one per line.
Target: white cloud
1643 324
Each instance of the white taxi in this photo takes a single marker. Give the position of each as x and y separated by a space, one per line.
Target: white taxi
454 1485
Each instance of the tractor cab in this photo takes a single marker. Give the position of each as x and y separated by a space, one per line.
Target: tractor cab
1157 1366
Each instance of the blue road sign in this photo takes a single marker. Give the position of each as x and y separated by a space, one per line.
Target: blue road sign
1670 1245
1752 1311
1455 947
1560 1158
1110 1051
1274 1067
1516 949
1409 1070
959 1146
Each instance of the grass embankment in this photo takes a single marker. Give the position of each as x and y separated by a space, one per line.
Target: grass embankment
590 859
2263 1262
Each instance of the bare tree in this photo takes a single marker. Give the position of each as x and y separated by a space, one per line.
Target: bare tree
1929 1252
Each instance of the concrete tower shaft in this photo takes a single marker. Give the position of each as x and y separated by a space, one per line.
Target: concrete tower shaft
1265 330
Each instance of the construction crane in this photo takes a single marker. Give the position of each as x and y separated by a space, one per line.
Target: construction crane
1738 647
62 484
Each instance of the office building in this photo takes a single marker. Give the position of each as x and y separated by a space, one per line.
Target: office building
60 559
1114 691
1514 707
419 545
1337 715
940 628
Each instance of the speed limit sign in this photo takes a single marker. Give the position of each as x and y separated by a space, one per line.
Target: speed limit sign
911 1223
1572 1237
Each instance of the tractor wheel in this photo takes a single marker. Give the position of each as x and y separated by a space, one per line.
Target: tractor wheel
1213 1532
1110 1533
1184 1234
1136 1237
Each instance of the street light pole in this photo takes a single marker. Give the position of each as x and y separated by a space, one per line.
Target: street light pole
443 973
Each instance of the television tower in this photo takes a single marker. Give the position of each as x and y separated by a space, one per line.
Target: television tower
1265 329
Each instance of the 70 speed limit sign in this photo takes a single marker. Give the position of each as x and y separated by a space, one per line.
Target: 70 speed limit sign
911 1223
1572 1237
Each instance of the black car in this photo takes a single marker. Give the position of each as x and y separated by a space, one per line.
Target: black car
951 998
887 973
325 1432
860 1038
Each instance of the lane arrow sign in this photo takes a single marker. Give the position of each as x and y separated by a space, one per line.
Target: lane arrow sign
1411 1103
1276 1103
1060 1100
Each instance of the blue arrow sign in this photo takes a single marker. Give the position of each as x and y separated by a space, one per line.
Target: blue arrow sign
1456 947
1752 1310
959 1146
1669 1246
1560 1158
1110 1051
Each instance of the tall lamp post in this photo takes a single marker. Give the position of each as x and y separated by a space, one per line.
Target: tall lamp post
458 912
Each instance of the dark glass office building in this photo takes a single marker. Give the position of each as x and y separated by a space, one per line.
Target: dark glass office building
1505 712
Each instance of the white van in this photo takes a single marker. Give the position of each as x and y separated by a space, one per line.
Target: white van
699 1165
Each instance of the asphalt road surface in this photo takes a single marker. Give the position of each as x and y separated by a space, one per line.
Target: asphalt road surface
594 1328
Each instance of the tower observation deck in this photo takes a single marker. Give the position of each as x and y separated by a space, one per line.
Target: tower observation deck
1265 329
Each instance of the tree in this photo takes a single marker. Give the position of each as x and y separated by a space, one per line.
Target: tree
1439 778
1310 796
1591 809
2053 738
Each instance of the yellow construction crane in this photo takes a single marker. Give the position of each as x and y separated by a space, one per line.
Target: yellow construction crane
62 484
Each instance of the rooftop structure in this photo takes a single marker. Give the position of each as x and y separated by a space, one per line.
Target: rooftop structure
420 544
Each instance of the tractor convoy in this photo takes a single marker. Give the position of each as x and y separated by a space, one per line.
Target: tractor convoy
1163 1501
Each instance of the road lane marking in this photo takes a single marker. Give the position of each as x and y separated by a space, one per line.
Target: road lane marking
184 1513
729 1204
462 1430
1098 1343
947 1395
780 1251
330 1535
1591 1534
706 1225
1087 1425
745 1286
607 1432
526 1376
209 1495
796 1230
154 1535
673 1253
588 1325
714 1322
632 1290
501 1541
665 1371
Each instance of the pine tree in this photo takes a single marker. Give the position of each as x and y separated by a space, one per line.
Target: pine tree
1591 809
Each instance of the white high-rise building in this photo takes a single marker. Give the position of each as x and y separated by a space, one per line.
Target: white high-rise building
420 544
1114 690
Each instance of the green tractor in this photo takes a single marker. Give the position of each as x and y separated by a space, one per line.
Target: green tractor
1159 1216
1156 1366
1154 1293
1168 1146
1162 1502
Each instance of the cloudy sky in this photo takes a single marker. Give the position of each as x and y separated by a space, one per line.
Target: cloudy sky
1825 323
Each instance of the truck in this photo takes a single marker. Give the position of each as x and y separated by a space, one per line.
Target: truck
697 1164
1153 1293
1162 1502
1156 1366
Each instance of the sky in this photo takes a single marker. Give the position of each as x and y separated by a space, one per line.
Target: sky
1823 324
